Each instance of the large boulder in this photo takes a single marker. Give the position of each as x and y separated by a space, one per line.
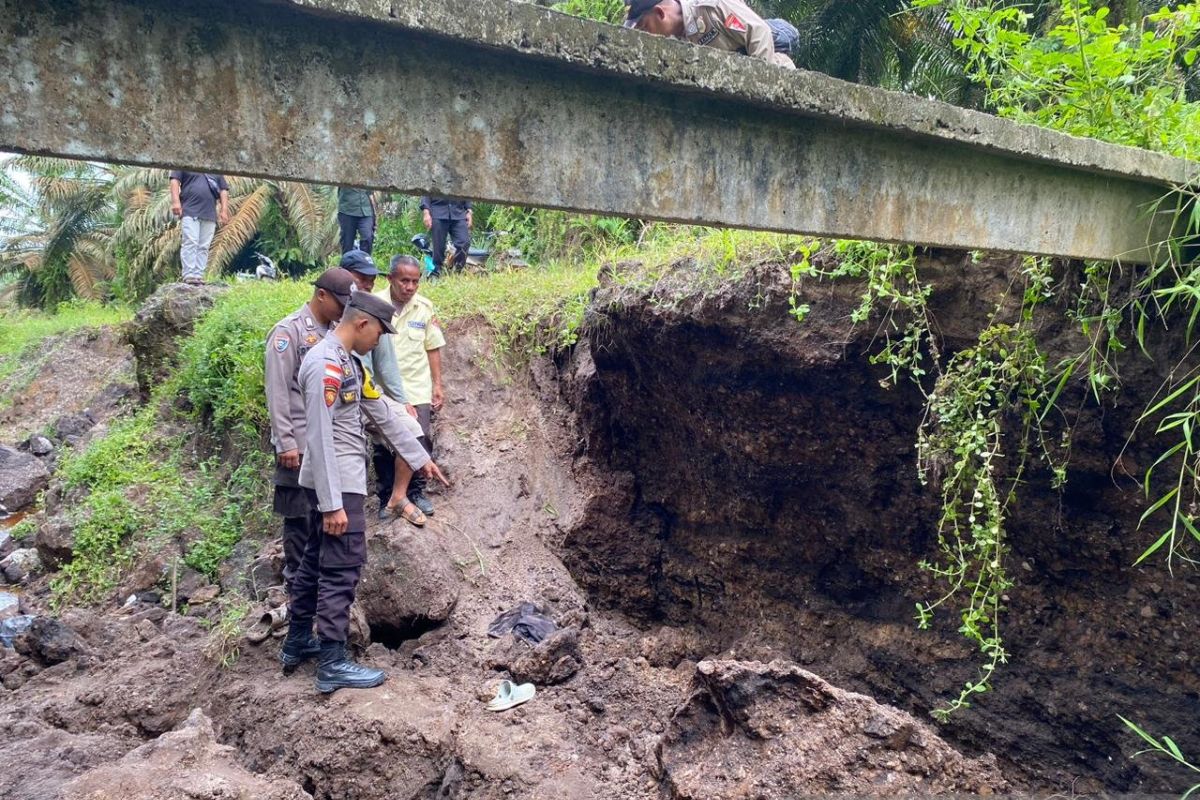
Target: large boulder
185 764
408 586
22 476
776 731
18 565
169 315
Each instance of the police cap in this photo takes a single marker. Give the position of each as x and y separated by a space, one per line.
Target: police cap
377 307
358 261
338 282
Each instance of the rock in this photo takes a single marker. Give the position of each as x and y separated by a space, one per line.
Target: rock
49 641
776 731
22 476
407 585
552 661
667 646
40 446
205 594
73 425
10 605
13 627
7 545
18 565
146 630
186 764
265 571
55 541
187 583
159 325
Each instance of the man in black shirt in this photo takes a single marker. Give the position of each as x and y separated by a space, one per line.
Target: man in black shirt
447 215
200 200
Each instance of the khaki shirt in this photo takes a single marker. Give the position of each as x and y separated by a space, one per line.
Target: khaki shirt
290 339
417 332
730 25
339 403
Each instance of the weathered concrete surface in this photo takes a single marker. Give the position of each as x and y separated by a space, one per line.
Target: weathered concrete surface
513 103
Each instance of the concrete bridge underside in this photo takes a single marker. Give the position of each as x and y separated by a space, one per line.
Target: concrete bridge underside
513 103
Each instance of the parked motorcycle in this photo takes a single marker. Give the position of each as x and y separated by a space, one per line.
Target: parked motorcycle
477 257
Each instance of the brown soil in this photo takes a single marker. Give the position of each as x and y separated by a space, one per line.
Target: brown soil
702 487
91 369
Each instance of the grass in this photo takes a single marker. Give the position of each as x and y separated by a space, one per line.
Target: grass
22 331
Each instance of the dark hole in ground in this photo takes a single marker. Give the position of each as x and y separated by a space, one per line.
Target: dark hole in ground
393 637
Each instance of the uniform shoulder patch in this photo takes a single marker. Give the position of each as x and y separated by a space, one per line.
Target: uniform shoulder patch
733 23
281 343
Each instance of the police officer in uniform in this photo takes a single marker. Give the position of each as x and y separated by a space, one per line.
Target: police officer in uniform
290 340
339 402
445 215
723 24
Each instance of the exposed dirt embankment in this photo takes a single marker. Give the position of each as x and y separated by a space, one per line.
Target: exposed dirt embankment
756 485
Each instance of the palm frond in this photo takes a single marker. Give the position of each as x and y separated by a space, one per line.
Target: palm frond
230 238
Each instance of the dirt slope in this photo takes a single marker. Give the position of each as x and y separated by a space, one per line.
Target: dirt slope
86 693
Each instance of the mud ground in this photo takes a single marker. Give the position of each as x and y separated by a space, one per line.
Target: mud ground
563 495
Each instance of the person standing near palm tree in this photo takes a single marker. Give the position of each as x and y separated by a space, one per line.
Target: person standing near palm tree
201 201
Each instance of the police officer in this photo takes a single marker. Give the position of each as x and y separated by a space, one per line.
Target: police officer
723 24
290 339
444 215
339 400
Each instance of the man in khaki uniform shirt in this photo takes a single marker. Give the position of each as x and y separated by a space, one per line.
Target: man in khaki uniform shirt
418 347
723 24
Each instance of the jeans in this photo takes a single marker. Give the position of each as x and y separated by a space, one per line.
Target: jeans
364 227
197 236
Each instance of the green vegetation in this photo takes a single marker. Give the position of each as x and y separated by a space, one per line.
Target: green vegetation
1167 747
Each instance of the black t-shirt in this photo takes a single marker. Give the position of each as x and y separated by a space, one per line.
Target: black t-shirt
196 193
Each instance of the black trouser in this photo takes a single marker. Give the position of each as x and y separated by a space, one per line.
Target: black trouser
325 584
460 234
364 227
299 520
385 462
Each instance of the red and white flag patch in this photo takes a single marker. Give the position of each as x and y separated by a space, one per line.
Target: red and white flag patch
734 24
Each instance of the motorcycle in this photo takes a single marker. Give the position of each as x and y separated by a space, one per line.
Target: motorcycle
477 257
264 271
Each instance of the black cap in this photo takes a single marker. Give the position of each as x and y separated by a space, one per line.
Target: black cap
337 282
377 307
358 261
636 9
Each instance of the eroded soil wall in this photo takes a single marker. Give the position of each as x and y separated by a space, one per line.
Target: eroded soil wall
757 483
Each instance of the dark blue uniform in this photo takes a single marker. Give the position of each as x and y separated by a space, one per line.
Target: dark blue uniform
449 216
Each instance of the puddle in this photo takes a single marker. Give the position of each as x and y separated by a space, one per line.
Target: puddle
12 519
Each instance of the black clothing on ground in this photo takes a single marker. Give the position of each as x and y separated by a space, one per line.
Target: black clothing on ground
526 621
362 227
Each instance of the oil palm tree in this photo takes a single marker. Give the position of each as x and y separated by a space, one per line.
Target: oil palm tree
82 227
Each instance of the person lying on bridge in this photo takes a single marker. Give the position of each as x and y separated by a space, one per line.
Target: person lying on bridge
723 24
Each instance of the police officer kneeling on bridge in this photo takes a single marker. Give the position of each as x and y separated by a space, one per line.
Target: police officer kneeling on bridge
723 24
339 401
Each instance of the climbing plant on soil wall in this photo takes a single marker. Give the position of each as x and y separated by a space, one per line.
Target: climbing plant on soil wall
987 405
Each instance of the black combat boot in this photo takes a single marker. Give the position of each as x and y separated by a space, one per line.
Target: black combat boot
335 671
299 646
416 495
